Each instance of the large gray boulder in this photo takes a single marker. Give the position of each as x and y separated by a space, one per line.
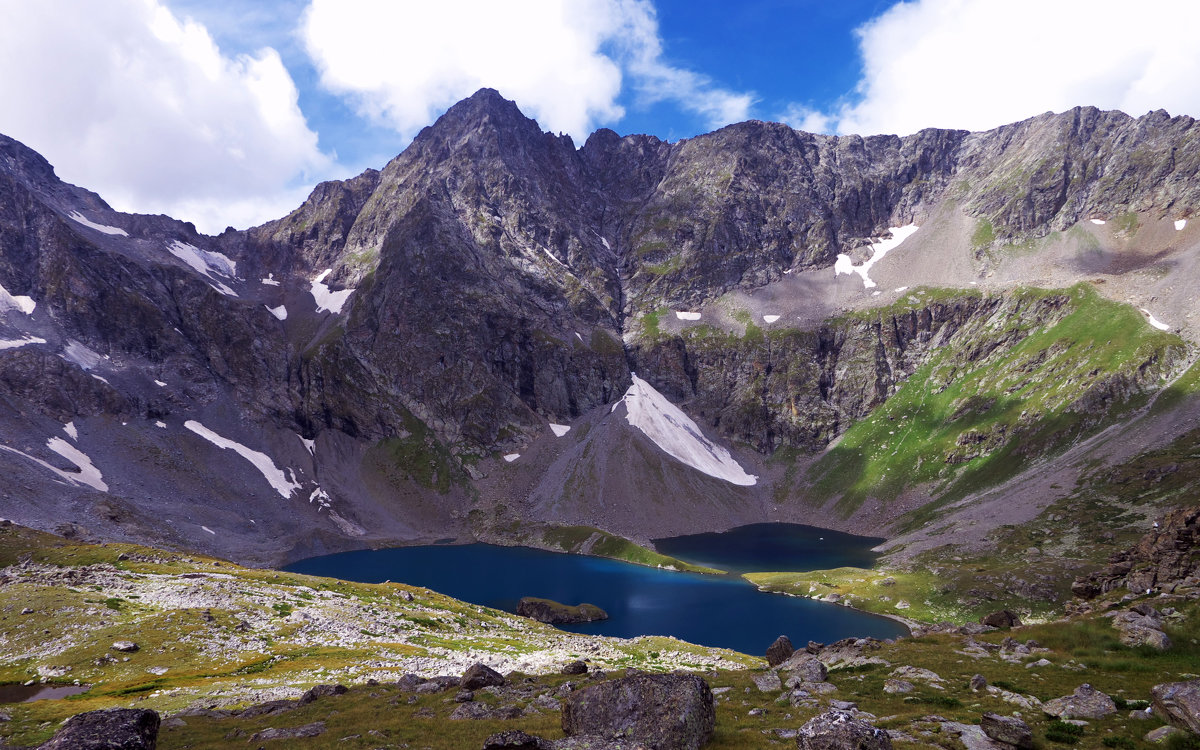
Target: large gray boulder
839 730
779 651
1085 703
806 667
110 729
480 676
1007 729
661 711
1178 703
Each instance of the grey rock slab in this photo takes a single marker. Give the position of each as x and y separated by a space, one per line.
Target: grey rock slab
1178 703
663 711
109 729
1085 703
840 730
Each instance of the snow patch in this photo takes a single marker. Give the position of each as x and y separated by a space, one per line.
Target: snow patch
510 457
328 300
905 289
1180 224
321 498
1097 222
770 318
206 263
78 354
209 530
17 343
676 433
88 473
69 428
279 312
559 429
843 264
160 384
102 380
1156 322
16 302
261 461
76 216
578 336
161 425
311 445
269 281
687 315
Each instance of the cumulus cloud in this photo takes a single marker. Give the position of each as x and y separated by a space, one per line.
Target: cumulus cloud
564 61
127 99
978 64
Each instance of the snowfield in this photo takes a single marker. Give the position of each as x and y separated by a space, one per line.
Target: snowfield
76 216
681 315
261 461
328 301
559 429
843 264
206 263
676 433
16 343
1155 321
18 302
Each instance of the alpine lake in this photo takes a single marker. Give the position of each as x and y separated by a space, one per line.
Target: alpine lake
723 611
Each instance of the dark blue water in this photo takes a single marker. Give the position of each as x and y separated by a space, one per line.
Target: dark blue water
722 611
772 547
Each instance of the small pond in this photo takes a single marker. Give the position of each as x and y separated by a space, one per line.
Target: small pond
30 693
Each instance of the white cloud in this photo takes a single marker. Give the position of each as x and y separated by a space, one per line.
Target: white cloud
126 99
978 64
563 61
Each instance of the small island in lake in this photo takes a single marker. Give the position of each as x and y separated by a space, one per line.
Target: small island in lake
556 613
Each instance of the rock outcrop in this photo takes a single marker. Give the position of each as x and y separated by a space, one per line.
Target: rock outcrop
1085 703
840 730
1167 557
1179 703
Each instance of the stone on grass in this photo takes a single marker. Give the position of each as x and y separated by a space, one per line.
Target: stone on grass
575 667
480 675
515 740
1085 703
978 682
839 730
1162 733
321 691
314 729
768 682
126 646
897 686
1007 729
779 651
109 729
805 666
1178 703
662 711
1002 619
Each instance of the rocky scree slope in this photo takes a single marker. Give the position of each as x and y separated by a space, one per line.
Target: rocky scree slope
374 353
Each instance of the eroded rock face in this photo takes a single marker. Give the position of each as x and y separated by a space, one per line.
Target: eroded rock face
662 711
839 730
1165 557
110 729
1179 703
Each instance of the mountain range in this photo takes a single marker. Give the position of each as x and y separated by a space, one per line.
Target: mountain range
957 341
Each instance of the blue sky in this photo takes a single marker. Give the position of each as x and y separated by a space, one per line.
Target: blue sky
228 113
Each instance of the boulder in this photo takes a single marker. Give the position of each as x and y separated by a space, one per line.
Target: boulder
897 686
556 613
768 682
1085 703
126 646
1002 619
479 676
805 666
839 730
779 651
662 711
575 667
1007 729
1161 734
978 682
321 691
1178 703
109 729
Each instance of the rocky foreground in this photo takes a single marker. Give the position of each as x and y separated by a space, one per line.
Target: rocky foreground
190 652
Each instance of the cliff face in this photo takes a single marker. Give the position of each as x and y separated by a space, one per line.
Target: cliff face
393 336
